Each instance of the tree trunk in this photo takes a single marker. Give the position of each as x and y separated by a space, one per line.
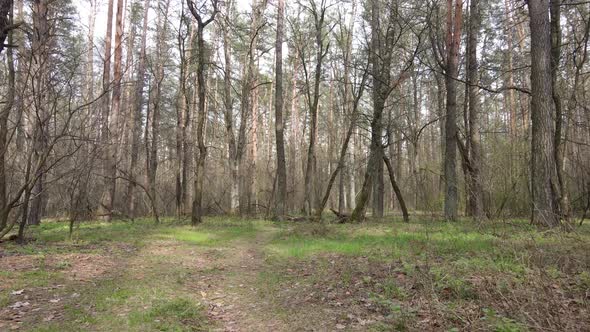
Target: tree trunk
246 108
197 213
475 182
228 116
313 103
295 143
199 175
454 21
114 126
380 58
136 115
40 50
544 178
152 160
182 120
378 187
4 115
396 190
343 150
560 143
281 198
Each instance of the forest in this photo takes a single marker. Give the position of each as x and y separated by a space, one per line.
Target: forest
315 165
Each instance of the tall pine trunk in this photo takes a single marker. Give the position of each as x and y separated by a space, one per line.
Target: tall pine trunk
281 198
454 21
136 116
544 177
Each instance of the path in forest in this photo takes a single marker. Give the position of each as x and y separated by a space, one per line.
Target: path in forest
231 294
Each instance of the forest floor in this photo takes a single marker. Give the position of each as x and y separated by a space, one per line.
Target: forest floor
252 275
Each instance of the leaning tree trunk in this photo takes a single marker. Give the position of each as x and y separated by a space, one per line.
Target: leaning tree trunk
380 71
343 151
396 189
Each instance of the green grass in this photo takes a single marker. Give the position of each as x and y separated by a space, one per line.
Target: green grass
153 300
214 232
442 264
462 264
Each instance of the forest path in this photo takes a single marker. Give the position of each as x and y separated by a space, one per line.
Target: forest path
228 283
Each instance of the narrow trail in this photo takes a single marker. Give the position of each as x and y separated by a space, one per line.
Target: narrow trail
230 293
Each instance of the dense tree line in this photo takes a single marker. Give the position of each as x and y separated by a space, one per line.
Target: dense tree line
280 108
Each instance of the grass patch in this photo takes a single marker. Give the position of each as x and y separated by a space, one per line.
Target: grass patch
426 275
171 315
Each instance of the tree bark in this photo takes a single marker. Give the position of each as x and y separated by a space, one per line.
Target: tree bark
197 213
343 150
313 103
4 115
106 201
475 189
228 115
396 189
454 21
280 205
380 58
152 156
40 50
544 178
560 123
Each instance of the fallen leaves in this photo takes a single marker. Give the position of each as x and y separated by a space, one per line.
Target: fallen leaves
19 304
17 292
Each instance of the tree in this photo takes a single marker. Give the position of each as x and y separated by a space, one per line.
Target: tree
453 40
228 113
108 193
544 177
383 40
197 213
41 53
313 97
183 113
560 129
281 199
154 121
136 115
473 154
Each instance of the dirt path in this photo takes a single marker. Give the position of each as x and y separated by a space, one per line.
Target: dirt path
231 295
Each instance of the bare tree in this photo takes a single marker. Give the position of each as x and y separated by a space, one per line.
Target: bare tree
383 40
313 96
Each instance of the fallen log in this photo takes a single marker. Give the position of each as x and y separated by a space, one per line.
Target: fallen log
340 217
